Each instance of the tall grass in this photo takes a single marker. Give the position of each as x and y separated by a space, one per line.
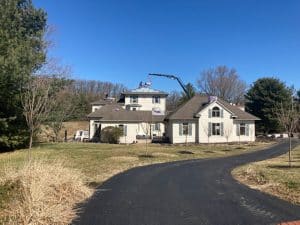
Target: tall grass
46 193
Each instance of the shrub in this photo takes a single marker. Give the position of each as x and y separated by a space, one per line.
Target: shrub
47 193
111 135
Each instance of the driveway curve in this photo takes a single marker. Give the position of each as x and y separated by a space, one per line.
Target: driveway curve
193 192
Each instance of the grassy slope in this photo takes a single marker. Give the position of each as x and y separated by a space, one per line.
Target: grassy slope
274 176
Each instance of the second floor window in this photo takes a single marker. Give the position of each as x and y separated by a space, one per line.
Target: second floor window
134 99
156 99
216 112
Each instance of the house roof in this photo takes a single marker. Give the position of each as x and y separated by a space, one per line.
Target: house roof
144 91
116 113
103 101
240 114
188 110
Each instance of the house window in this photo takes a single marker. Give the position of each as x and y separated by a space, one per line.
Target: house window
185 129
156 127
216 129
156 99
124 129
134 99
242 129
215 112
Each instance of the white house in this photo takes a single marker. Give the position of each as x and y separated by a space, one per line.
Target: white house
207 119
141 113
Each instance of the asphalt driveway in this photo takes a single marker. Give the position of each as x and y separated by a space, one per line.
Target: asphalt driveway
200 192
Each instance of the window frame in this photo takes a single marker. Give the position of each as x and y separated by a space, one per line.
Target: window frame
214 130
156 99
124 129
216 112
185 129
134 99
156 127
243 128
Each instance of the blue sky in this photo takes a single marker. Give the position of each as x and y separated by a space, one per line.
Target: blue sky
122 41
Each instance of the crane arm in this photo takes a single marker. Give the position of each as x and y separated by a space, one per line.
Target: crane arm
173 77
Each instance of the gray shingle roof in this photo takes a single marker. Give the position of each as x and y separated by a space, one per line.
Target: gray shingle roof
240 114
115 113
188 110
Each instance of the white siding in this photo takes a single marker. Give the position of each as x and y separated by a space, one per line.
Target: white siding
146 103
229 128
202 130
175 137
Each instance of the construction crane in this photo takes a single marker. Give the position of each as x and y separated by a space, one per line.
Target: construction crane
173 77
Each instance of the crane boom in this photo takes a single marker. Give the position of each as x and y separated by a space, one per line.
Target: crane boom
173 77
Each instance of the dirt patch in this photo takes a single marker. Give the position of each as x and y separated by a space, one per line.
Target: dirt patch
146 156
185 152
208 151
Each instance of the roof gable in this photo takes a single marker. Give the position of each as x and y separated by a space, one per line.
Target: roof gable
219 105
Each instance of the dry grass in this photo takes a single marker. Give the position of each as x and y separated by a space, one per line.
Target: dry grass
274 176
47 185
45 193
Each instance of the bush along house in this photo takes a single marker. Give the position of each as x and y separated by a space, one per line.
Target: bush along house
141 114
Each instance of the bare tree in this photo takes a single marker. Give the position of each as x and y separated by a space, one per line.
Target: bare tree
288 117
206 129
39 94
146 127
173 101
224 83
36 102
62 108
228 131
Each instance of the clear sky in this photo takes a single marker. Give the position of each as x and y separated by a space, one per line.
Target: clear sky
122 41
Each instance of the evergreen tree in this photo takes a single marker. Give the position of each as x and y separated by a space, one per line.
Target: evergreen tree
262 100
22 52
191 93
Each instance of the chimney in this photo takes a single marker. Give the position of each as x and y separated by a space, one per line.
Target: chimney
212 99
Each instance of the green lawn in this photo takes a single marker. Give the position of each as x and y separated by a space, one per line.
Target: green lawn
274 176
101 161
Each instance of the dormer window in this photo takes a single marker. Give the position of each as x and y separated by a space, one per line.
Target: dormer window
134 99
156 99
216 112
